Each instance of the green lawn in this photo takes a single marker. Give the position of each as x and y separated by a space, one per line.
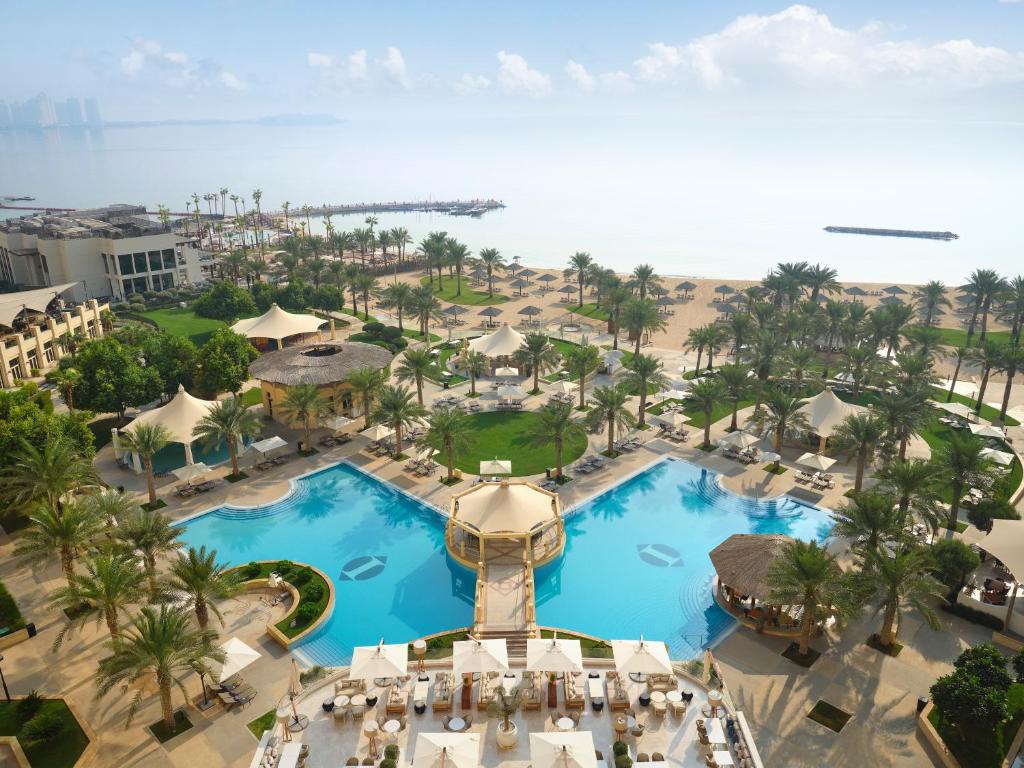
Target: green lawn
264 722
359 315
987 411
184 322
563 348
252 396
417 336
589 310
592 649
61 752
978 748
957 337
696 413
439 647
504 435
468 297
441 364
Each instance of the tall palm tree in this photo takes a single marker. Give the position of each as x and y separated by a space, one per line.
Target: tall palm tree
450 433
706 394
736 385
821 278
198 576
799 361
555 426
640 316
901 578
763 356
538 354
367 383
146 440
228 422
66 380
1012 310
475 365
457 255
860 363
303 404
986 356
48 472
425 307
109 505
914 484
740 327
366 285
395 408
397 297
579 267
644 373
960 354
582 361
982 286
616 296
62 534
870 519
151 534
859 434
608 409
111 583
809 577
162 645
960 460
1011 360
698 339
492 261
904 414
415 365
780 417
643 279
930 297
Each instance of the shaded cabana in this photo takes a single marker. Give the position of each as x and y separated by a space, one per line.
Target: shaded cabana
546 279
519 285
179 417
825 412
16 307
502 343
277 325
743 562
685 287
490 313
530 312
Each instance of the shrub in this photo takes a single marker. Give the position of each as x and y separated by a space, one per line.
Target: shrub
987 664
300 577
970 614
134 297
387 763
620 748
121 306
313 674
391 334
307 613
954 561
224 301
137 306
10 616
391 752
374 328
623 761
314 592
987 510
283 567
27 708
1018 665
251 570
45 726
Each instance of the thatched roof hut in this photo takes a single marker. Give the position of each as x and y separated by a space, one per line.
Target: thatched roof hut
744 559
322 363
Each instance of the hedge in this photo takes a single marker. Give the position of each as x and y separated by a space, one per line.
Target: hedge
10 617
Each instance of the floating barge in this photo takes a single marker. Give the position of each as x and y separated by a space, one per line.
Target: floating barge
895 233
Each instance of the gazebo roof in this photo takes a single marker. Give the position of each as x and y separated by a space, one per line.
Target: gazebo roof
277 324
505 507
504 341
744 559
325 362
825 412
36 300
178 417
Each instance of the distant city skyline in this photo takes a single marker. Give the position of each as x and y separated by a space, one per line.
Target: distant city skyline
40 111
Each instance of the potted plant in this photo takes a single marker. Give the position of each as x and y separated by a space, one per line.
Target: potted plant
621 752
504 705
552 691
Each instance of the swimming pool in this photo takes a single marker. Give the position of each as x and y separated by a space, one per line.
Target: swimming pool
635 557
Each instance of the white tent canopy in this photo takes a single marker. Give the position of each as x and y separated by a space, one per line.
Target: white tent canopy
504 507
1006 542
447 750
675 418
377 432
372 661
1002 458
641 657
270 444
825 412
986 430
566 387
554 654
496 467
816 461
36 300
557 749
504 341
237 657
277 324
179 417
472 656
739 439
957 409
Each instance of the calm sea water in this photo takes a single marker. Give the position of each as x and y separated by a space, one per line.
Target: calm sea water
716 198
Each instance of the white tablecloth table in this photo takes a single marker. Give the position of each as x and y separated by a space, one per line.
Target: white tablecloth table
722 757
716 734
565 724
595 689
391 726
674 696
658 697
420 691
457 724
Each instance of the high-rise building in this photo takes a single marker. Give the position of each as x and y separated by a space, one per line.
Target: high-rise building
6 116
92 112
69 112
37 112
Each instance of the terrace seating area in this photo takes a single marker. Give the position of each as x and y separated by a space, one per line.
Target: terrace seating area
819 480
189 490
745 456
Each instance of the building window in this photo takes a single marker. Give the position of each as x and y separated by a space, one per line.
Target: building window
126 286
16 369
140 262
165 281
33 360
48 352
140 285
346 404
168 254
126 264
154 261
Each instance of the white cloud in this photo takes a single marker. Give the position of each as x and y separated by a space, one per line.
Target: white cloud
147 58
358 69
357 72
468 85
609 81
515 76
319 59
394 67
232 81
579 75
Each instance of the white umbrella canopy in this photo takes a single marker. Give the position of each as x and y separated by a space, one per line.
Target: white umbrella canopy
557 749
237 657
1006 542
337 422
510 392
816 461
270 444
770 456
1001 458
674 394
372 661
740 440
986 430
190 471
377 432
447 750
496 467
676 419
641 657
554 655
957 409
566 387
506 371
472 656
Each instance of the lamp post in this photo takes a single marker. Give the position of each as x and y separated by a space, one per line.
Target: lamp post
3 680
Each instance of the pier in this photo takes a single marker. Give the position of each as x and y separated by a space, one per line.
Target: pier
919 233
453 207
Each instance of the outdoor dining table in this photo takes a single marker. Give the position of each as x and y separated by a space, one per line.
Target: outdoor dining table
658 697
457 724
675 696
392 726
716 734
341 701
565 724
722 757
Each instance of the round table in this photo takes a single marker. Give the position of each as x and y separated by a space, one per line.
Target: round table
457 724
714 699
359 700
341 701
392 726
565 724
675 696
658 697
370 728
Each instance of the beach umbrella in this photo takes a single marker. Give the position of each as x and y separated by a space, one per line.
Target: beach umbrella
890 301
657 289
1001 458
665 301
676 419
726 308
568 290
562 749
770 456
294 690
739 439
686 286
530 311
893 290
337 423
377 432
957 409
674 394
566 387
986 430
489 313
454 310
190 472
815 461
506 371
856 290
237 656
554 654
510 392
724 289
268 445
370 662
641 657
546 278
496 467
470 657
527 273
737 298
519 285
447 750
478 273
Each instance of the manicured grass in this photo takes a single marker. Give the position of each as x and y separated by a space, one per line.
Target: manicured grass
592 649
831 717
588 310
439 647
980 748
252 396
957 337
366 338
504 435
359 315
417 336
184 322
468 297
441 364
162 733
563 347
60 752
987 411
262 723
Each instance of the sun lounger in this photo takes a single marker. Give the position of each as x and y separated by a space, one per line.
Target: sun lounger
398 699
618 699
573 685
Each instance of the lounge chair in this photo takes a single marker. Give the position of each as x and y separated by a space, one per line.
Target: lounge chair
574 698
397 701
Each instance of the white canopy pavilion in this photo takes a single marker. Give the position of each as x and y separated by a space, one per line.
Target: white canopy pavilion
447 750
277 324
502 343
825 412
179 417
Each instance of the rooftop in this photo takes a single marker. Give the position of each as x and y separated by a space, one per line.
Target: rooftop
325 362
111 221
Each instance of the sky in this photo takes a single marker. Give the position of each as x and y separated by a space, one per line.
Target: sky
916 59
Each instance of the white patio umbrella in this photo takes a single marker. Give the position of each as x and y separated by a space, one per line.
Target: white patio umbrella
506 371
299 722
510 392
270 444
558 749
190 472
674 394
447 750
337 423
237 657
370 662
676 419
641 657
566 387
770 456
957 409
740 440
816 461
472 656
377 432
496 467
986 430
554 654
1002 458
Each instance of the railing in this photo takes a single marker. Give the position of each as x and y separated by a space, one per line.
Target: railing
529 595
479 599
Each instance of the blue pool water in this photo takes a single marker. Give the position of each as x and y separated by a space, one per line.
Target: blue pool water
172 456
635 560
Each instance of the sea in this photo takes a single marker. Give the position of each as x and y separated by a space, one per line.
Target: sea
721 197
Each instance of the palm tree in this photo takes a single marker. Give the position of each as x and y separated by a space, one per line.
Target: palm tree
706 394
986 356
303 404
425 307
698 339
66 380
616 296
475 364
555 426
365 284
161 644
860 365
870 519
582 361
982 286
914 483
800 359
48 472
202 580
961 354
397 297
608 408
859 434
1011 360
395 408
821 278
492 262
781 416
809 577
416 363
904 414
367 383
764 353
960 460
538 354
146 440
457 255
151 534
740 327
901 578
64 534
736 385
643 279
110 506
112 581
644 373
930 297
640 316
579 266
228 422
449 432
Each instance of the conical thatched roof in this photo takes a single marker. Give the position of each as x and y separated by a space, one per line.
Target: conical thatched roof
326 362
744 559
